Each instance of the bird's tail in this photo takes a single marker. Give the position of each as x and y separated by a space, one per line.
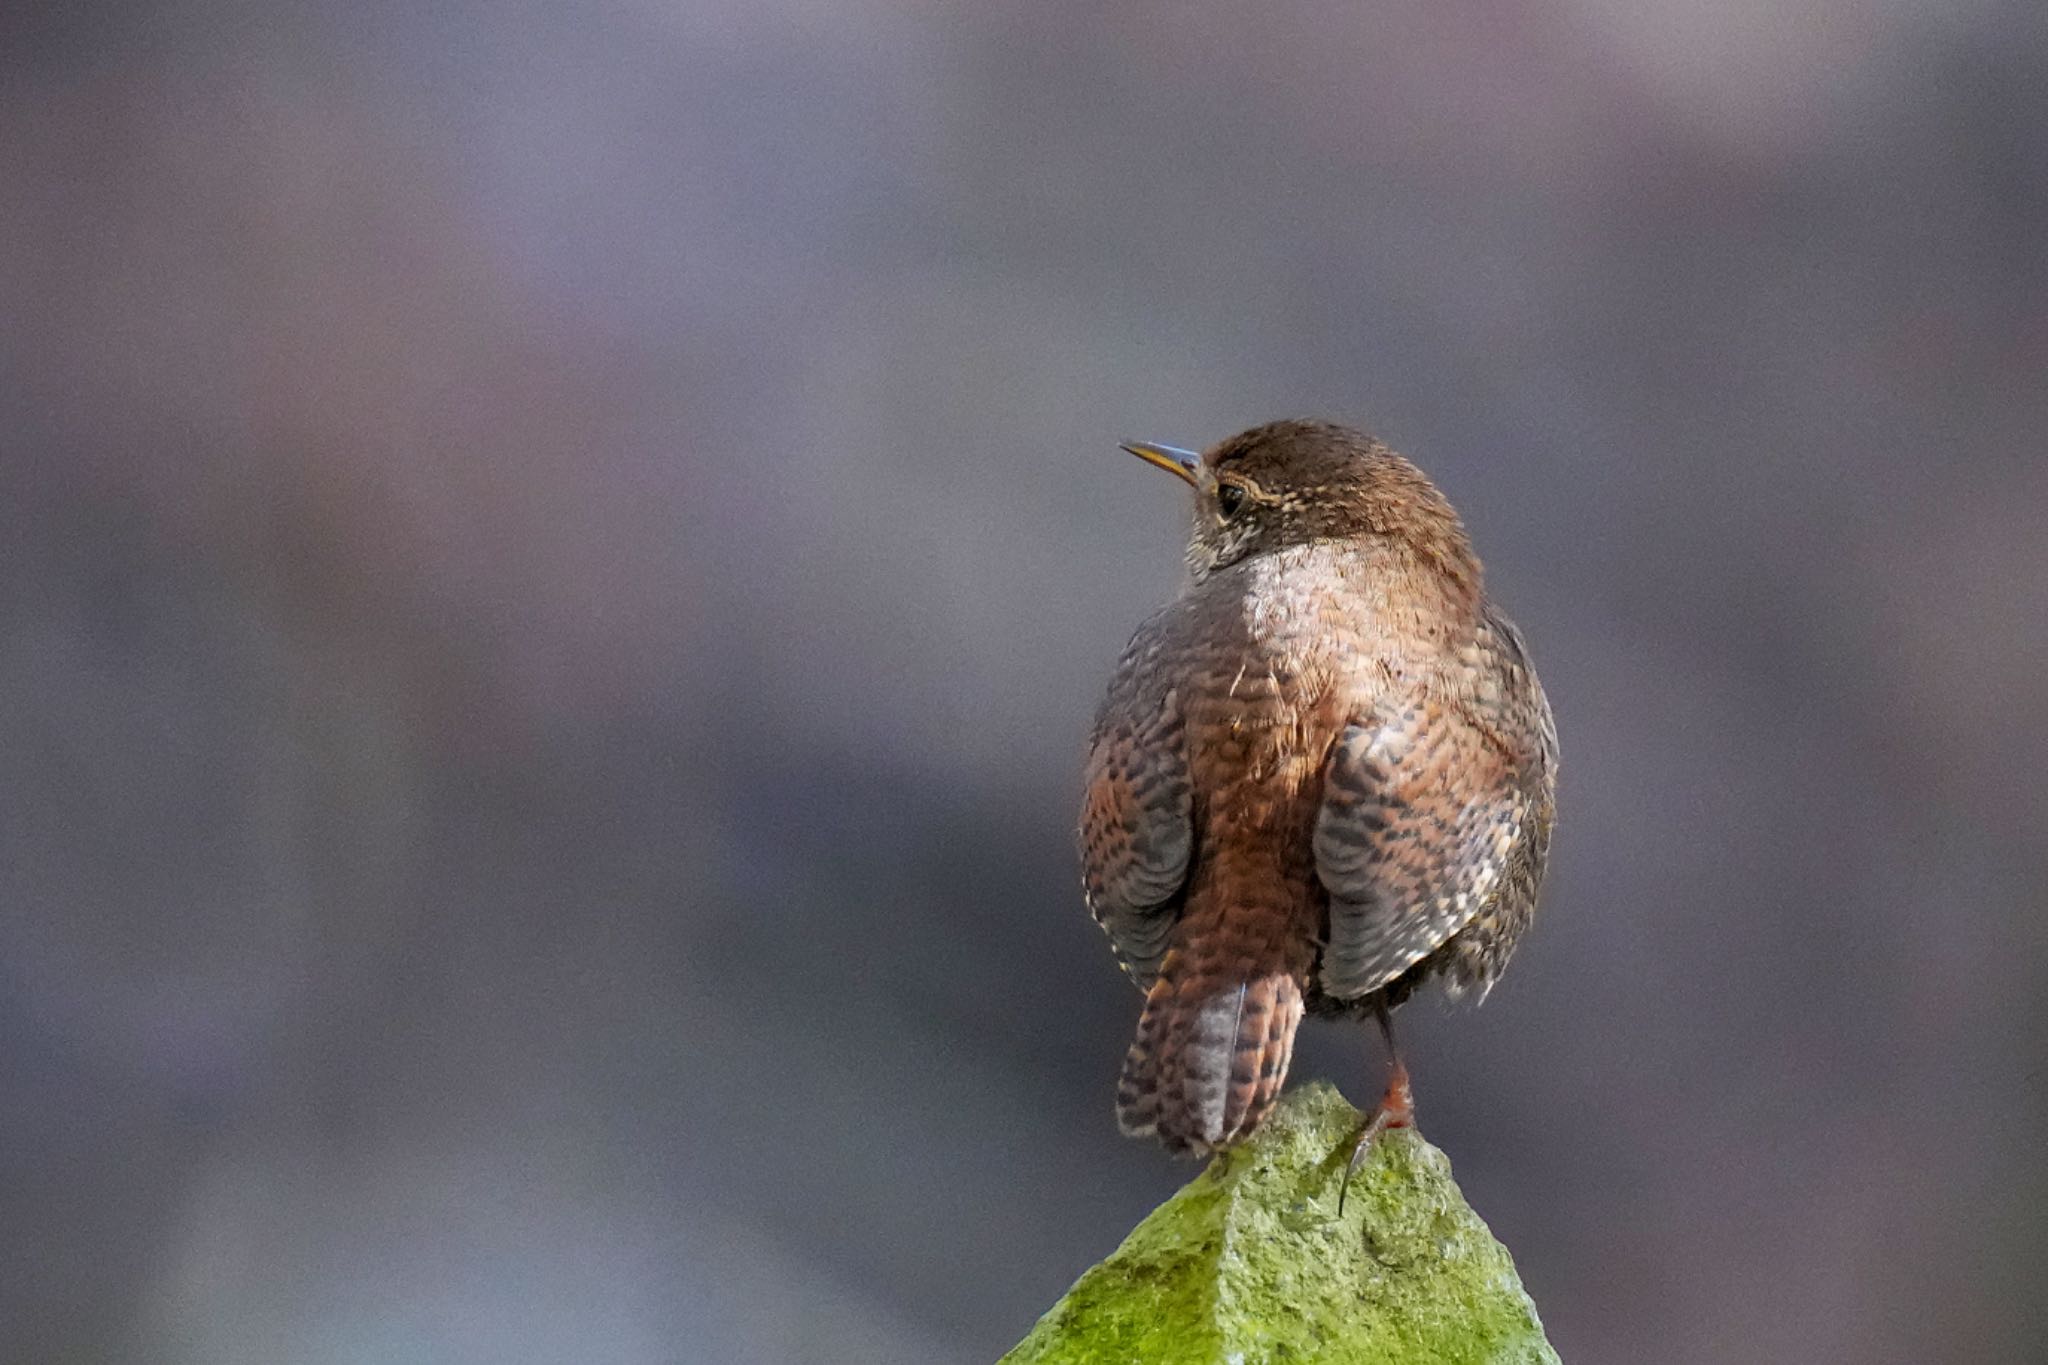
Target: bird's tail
1211 1053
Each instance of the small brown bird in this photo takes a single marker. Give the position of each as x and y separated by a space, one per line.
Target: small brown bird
1322 776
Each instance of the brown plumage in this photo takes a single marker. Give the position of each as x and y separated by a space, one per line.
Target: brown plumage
1322 775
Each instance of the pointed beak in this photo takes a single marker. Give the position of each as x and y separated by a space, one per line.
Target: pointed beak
1182 464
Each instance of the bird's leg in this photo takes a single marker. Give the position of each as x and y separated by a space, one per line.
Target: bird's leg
1396 1108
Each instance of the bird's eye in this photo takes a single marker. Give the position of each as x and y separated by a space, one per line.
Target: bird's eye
1229 500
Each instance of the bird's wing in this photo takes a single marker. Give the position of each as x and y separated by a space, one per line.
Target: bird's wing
1422 810
1137 828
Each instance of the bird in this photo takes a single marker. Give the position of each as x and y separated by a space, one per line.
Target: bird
1322 776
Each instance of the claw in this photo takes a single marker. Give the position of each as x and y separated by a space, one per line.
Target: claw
1396 1110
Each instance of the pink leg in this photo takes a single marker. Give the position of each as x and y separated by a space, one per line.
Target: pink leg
1396 1109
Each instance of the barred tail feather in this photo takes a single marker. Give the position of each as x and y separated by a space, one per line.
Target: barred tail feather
1210 1056
1138 1089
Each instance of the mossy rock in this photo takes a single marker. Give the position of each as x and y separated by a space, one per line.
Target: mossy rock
1249 1263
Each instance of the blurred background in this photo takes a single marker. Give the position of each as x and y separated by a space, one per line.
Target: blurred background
556 562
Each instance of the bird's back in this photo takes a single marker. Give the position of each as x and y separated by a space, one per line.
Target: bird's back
1233 700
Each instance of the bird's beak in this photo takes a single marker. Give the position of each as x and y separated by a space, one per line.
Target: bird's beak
1182 464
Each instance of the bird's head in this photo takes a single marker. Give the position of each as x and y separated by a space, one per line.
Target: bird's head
1298 483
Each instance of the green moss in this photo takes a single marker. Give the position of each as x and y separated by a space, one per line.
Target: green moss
1249 1263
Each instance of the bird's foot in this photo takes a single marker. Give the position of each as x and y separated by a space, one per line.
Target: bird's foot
1396 1110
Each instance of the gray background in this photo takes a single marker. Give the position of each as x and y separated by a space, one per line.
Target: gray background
555 563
